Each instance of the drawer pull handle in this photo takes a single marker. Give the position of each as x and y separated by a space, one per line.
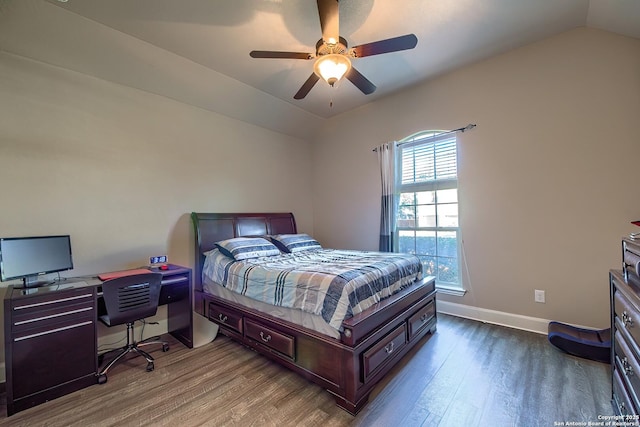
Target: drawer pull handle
628 369
53 331
389 348
423 318
57 301
265 338
622 408
627 320
222 318
174 280
52 316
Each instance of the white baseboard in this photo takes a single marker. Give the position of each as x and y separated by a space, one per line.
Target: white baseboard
517 321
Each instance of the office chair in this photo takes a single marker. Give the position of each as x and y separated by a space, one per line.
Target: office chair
128 299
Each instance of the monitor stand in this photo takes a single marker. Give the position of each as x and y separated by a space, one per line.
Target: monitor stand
33 282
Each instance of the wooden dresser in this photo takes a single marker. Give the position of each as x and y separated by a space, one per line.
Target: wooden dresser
625 328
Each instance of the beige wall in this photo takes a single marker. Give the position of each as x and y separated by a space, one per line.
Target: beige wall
120 169
548 179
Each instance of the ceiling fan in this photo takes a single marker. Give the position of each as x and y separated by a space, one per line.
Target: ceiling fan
333 57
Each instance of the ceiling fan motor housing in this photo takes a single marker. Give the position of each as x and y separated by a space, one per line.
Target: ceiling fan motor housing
340 48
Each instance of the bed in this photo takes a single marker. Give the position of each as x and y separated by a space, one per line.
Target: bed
348 356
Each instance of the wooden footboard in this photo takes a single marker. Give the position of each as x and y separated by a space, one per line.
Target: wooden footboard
371 344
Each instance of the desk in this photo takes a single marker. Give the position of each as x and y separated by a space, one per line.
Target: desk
51 340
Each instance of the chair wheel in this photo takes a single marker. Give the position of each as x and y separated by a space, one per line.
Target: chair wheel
150 367
102 379
165 347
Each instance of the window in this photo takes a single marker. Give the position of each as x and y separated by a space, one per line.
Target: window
427 212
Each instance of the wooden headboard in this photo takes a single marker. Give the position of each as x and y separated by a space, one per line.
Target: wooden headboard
213 227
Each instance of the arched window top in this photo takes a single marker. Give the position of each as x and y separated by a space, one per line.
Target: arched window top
423 134
427 156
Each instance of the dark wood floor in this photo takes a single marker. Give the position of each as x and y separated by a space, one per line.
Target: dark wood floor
467 374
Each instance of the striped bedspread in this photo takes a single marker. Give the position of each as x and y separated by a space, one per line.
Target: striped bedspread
335 284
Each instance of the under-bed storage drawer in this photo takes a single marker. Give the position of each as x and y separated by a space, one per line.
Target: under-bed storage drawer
377 356
225 317
421 319
275 340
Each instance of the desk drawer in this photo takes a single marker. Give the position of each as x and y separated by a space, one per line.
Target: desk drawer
377 356
225 317
50 357
55 318
37 315
50 301
173 292
278 341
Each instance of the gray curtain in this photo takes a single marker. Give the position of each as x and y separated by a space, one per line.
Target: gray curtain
386 159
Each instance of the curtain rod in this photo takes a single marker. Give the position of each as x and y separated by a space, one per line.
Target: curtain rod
462 129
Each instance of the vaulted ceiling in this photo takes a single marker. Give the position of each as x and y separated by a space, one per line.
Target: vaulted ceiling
197 51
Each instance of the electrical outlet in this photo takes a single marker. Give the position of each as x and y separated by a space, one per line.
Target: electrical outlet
539 296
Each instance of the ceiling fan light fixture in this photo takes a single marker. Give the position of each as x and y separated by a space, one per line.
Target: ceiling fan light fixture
331 68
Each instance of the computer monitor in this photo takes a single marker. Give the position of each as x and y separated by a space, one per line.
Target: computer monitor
27 258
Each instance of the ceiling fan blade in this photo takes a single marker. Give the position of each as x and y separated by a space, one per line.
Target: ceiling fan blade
329 20
281 55
360 81
306 87
395 44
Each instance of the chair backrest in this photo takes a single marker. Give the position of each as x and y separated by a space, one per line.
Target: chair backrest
131 298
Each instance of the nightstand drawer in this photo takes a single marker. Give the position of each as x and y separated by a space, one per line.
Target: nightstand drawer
224 317
278 341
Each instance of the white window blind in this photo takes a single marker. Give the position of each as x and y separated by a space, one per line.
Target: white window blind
429 161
